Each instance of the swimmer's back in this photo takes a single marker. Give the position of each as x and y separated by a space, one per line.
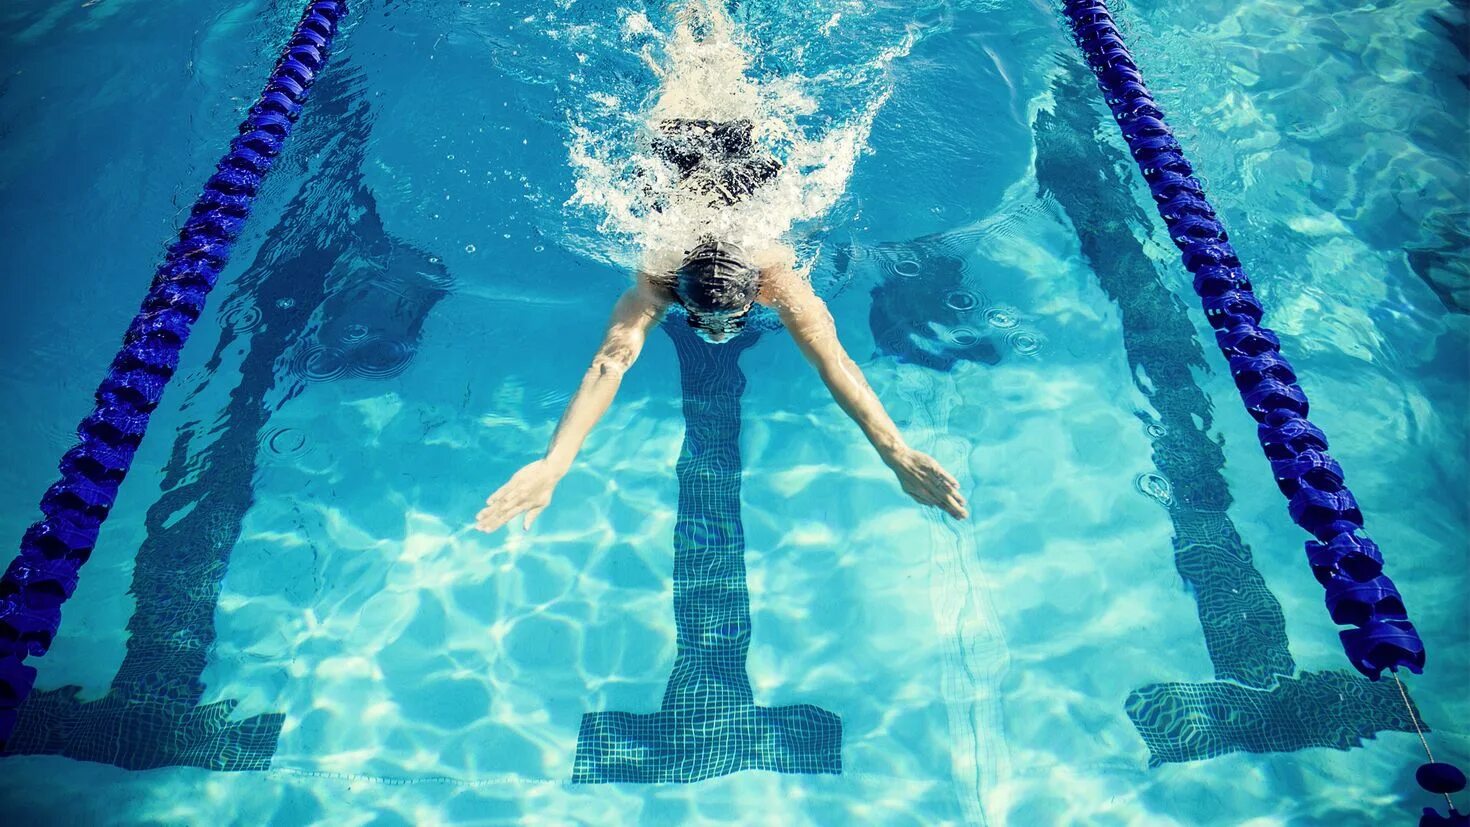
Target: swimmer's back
717 158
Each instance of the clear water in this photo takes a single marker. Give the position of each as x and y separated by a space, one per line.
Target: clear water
423 281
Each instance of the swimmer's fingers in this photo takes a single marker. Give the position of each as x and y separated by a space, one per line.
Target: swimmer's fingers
491 518
500 508
487 520
934 488
935 472
528 492
925 492
950 501
939 493
943 490
949 497
954 504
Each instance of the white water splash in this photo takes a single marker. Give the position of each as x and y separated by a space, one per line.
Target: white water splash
705 70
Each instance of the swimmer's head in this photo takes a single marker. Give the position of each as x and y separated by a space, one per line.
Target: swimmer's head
717 286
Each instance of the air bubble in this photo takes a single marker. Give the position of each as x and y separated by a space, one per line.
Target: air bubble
320 364
1025 342
285 303
1155 487
469 248
1157 431
380 358
355 333
963 336
908 268
961 300
240 317
1001 317
285 442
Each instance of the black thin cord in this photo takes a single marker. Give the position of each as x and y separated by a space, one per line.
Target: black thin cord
1417 729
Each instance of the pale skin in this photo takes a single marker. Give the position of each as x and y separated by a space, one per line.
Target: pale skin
805 316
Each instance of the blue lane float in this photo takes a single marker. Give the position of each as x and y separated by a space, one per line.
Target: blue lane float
35 585
1344 560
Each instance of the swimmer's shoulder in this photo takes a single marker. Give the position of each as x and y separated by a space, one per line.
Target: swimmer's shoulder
656 282
775 258
784 283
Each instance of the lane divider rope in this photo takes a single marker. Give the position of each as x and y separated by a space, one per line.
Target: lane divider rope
35 585
1344 560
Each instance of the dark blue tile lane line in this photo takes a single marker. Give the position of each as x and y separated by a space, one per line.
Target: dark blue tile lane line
330 294
1255 704
708 724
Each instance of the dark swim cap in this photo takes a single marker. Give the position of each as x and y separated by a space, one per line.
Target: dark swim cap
717 285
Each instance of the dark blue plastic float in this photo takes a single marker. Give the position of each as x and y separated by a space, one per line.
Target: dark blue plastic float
35 585
1432 818
1440 778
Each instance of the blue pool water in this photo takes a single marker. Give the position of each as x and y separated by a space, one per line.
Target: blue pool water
288 620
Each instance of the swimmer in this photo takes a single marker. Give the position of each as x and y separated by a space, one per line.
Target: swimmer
717 165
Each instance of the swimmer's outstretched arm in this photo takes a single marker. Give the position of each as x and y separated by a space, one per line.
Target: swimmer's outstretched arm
810 322
530 489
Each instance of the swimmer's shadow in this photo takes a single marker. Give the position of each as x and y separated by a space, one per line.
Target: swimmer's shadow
708 724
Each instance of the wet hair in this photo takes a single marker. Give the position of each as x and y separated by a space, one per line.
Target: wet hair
716 285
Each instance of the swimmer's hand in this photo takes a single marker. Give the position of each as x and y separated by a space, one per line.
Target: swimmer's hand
528 492
924 479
